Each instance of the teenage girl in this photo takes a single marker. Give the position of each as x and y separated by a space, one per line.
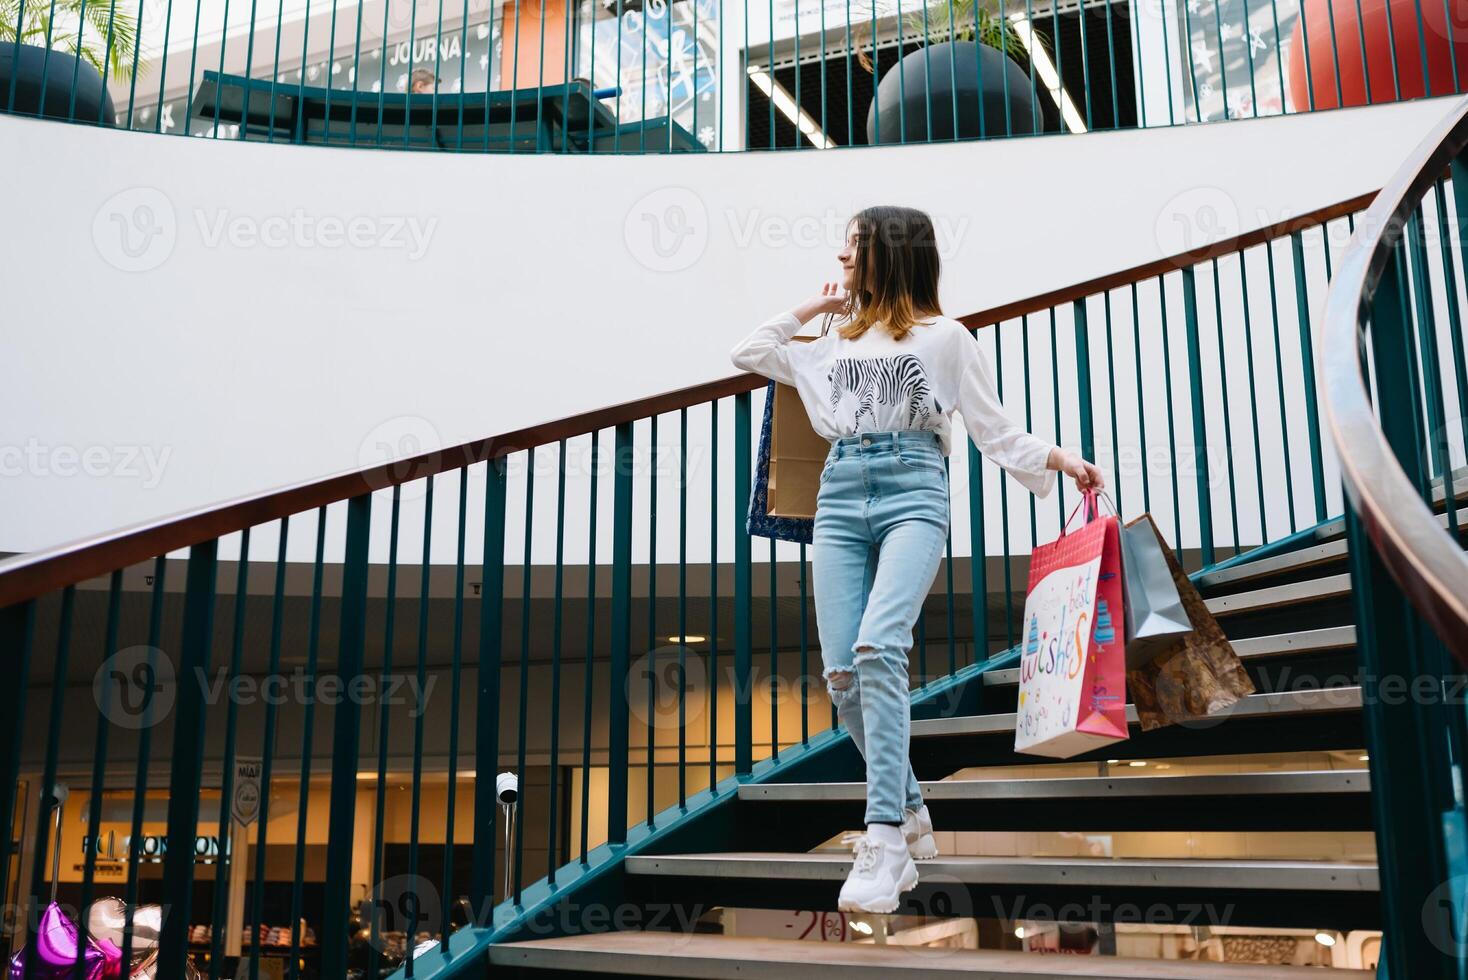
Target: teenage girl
881 388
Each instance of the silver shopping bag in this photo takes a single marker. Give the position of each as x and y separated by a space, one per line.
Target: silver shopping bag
1155 616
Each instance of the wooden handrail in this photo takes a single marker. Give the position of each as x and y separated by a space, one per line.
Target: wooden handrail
1428 564
30 575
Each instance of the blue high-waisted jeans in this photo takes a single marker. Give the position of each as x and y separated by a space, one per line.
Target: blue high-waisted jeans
880 527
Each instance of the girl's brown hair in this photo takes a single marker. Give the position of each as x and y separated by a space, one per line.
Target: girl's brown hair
895 282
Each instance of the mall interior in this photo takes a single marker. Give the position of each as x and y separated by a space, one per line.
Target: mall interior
390 584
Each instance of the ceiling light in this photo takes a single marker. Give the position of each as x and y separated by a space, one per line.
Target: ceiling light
865 928
803 121
1136 763
1326 939
1019 932
1045 68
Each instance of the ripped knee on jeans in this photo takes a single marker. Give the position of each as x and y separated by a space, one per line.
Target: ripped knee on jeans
841 685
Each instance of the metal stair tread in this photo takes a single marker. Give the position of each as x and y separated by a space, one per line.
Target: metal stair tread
1304 641
1325 587
716 956
1255 705
1210 873
1061 788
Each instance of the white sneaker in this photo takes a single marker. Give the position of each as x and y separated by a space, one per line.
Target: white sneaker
881 870
917 827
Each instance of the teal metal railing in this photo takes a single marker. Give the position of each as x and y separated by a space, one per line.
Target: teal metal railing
704 75
1393 367
625 688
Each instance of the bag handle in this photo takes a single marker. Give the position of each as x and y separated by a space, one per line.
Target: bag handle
1090 499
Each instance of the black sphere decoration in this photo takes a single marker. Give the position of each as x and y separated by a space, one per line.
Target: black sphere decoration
904 94
26 65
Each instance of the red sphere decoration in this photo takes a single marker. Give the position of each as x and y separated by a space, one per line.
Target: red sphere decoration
1442 30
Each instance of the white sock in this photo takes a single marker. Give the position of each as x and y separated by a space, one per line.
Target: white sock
885 833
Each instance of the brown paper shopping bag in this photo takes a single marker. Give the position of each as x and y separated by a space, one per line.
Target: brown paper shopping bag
1200 675
797 455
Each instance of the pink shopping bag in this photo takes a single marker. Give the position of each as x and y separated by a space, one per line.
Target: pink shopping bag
1072 668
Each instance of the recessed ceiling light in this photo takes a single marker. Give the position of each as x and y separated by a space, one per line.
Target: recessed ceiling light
1324 938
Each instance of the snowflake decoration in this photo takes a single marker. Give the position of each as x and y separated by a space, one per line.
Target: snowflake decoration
706 135
1256 43
1202 57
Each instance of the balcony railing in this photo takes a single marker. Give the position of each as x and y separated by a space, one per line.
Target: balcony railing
619 76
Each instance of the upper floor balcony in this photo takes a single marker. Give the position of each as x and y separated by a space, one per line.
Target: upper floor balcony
620 76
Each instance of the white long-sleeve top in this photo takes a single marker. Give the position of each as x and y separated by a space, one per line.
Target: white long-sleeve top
875 383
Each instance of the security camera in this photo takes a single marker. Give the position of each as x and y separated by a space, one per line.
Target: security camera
57 796
507 788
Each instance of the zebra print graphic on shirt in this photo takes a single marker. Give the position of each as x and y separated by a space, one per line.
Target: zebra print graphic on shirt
896 380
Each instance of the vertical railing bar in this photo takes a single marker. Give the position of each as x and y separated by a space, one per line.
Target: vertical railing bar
1307 358
99 759
804 652
1111 401
1253 397
1003 504
224 868
1082 379
48 794
1448 235
713 666
1204 486
653 646
414 912
1177 518
140 778
522 718
978 572
346 740
456 675
1141 403
188 757
590 646
487 696
682 607
17 636
1284 429
267 750
774 659
307 735
948 576
743 589
557 608
1432 387
379 803
619 667
1228 442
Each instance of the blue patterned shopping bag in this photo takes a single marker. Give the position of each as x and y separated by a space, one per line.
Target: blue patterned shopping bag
760 522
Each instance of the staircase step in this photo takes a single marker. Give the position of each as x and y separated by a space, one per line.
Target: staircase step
1293 593
1255 784
653 954
1286 564
1174 873
1274 704
1257 647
